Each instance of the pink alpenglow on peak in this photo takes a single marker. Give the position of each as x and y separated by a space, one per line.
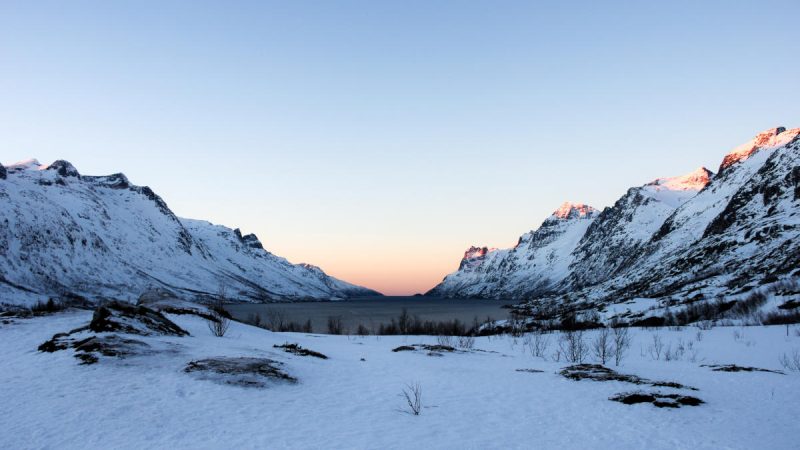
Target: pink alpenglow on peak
473 257
769 139
693 181
477 252
569 210
27 164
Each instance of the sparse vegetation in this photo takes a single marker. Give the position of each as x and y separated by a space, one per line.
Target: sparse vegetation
622 342
791 361
572 346
602 345
335 325
219 322
465 342
413 395
537 343
656 348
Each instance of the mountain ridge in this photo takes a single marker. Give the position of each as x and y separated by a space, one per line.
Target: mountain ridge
697 236
101 237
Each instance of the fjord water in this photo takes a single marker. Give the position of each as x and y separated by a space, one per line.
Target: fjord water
373 311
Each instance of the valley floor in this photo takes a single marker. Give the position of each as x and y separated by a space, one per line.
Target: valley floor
471 399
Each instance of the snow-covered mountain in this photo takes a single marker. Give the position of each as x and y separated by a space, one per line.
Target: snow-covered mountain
697 236
620 231
539 261
100 237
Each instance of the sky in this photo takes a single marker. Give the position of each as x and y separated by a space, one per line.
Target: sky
379 140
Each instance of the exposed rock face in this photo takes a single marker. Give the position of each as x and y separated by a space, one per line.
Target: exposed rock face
239 371
126 318
2 172
681 239
102 237
99 338
249 240
474 256
64 168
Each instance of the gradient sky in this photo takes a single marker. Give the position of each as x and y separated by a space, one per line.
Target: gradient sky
378 140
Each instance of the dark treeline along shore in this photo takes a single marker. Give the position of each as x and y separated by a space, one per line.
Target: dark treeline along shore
375 315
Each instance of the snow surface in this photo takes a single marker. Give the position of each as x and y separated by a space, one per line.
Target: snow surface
471 400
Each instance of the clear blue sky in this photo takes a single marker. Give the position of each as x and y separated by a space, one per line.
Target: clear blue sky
379 139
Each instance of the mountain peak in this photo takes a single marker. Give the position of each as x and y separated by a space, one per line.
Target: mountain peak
569 210
474 256
64 168
477 252
31 163
693 181
772 138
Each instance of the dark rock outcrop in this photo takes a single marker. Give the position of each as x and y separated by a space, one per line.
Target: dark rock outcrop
64 168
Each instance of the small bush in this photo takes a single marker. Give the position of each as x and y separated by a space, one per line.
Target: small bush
622 342
656 348
573 347
219 321
537 342
465 342
335 325
413 396
444 340
48 307
602 345
791 361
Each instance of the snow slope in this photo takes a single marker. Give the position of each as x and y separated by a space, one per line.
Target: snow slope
64 234
539 260
620 231
474 399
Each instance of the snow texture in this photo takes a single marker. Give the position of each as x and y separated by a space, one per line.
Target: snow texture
491 397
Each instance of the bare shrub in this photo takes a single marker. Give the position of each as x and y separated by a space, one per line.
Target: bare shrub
276 319
413 395
335 325
656 348
622 342
516 325
218 322
737 335
466 342
537 342
254 319
705 325
676 353
573 347
602 345
48 307
791 362
445 340
362 330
